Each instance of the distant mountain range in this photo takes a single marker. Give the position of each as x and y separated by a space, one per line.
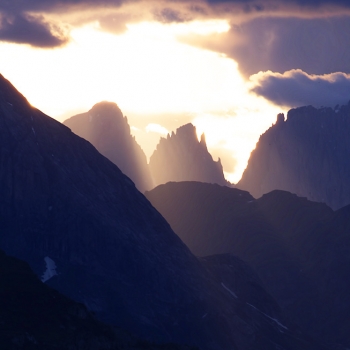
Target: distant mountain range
179 157
307 154
88 232
300 249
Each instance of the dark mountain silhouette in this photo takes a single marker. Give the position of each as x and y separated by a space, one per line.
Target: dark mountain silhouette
35 316
307 155
86 231
181 157
300 249
106 128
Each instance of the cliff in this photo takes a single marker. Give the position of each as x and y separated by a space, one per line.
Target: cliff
181 157
108 130
307 154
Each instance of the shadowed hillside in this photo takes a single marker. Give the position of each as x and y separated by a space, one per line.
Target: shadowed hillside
300 249
88 232
35 316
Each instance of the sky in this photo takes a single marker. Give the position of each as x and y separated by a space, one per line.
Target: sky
227 66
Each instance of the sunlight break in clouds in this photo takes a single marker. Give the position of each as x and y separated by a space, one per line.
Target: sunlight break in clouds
146 71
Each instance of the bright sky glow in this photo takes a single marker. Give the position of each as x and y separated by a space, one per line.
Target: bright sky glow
146 70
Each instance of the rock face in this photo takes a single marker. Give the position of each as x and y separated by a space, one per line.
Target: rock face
180 157
299 249
85 230
307 155
35 316
106 128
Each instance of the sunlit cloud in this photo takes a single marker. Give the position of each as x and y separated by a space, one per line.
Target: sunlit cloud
152 127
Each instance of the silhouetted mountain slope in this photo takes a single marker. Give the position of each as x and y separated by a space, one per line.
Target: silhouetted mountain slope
300 249
106 128
252 300
35 316
85 229
181 157
307 154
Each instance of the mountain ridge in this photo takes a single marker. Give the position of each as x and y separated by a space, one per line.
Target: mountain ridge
109 132
68 209
299 249
304 154
181 157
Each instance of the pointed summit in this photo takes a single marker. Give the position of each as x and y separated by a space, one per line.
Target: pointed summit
108 130
181 157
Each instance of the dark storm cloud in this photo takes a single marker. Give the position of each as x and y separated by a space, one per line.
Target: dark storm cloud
316 46
169 15
36 31
22 21
33 30
296 88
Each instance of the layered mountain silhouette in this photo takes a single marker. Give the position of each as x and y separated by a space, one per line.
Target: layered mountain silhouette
306 154
181 157
108 130
88 232
35 316
300 249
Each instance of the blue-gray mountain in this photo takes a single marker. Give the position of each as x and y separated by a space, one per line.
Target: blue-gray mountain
88 232
300 249
307 154
108 130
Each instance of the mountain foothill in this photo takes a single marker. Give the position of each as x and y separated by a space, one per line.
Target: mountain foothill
89 262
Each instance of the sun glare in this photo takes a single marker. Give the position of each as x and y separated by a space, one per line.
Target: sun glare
145 70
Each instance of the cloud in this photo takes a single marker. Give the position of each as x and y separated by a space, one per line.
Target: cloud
27 25
316 46
296 88
157 128
33 30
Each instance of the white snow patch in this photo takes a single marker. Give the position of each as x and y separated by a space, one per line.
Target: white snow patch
50 269
33 131
230 291
10 104
204 315
271 318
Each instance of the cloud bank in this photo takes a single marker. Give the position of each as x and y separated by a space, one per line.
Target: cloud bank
296 88
30 21
32 30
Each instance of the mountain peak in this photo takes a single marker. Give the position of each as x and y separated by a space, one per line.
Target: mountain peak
181 157
307 156
109 131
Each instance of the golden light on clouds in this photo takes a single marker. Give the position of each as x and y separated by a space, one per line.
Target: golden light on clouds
145 70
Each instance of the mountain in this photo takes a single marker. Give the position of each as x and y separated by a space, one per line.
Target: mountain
88 232
299 249
35 316
307 154
108 130
181 157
